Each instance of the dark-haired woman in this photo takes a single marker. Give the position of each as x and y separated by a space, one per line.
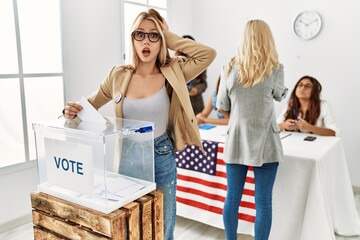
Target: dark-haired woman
306 112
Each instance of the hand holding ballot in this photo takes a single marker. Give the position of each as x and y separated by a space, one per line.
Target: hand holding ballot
84 110
71 110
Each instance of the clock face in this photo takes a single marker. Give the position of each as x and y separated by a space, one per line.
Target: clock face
307 25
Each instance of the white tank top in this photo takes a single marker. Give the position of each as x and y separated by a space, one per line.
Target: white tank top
154 109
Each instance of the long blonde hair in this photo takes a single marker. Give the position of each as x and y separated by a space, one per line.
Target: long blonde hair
256 55
163 57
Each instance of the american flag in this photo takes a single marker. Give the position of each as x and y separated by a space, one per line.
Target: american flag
202 185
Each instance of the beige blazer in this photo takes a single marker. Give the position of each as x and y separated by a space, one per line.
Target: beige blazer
182 122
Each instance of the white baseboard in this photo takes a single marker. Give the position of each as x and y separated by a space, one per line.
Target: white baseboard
15 223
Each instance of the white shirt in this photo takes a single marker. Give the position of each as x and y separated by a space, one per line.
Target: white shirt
325 120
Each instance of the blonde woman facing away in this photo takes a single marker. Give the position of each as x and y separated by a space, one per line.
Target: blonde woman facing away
249 83
153 88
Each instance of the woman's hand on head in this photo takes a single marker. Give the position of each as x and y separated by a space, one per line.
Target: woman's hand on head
164 26
71 110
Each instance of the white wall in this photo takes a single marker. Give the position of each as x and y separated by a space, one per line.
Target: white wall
332 57
91 44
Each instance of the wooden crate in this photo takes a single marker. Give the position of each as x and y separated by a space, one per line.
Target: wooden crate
55 218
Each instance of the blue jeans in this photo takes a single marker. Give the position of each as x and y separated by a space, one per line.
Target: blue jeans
165 178
264 182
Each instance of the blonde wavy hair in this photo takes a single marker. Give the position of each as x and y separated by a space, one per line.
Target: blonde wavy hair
256 55
163 57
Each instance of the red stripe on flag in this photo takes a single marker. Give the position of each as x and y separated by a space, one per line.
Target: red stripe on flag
246 217
201 181
213 209
201 193
250 180
199 205
220 174
248 192
220 161
247 204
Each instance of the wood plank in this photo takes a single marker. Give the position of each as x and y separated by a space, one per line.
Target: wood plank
132 220
65 228
158 214
107 224
146 217
118 228
44 234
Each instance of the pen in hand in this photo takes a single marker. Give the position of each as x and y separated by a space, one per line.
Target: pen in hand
295 116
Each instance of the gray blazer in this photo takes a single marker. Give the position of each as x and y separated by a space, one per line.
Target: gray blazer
253 134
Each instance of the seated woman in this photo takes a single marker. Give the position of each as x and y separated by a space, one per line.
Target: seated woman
202 117
306 112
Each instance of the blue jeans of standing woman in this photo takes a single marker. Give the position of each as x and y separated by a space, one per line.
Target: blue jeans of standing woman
165 178
264 182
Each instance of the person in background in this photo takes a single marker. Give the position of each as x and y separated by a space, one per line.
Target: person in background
197 86
306 112
203 116
249 83
153 88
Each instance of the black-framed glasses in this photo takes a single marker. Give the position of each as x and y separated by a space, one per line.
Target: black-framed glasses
152 36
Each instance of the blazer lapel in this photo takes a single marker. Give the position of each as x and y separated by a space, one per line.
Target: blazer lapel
124 83
176 83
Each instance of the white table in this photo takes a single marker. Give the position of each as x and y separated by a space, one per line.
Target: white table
312 195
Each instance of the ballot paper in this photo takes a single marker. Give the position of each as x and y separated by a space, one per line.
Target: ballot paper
123 187
89 113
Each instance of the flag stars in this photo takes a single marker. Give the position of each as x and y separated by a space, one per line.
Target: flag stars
193 159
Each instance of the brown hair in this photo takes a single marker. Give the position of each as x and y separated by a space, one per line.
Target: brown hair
313 112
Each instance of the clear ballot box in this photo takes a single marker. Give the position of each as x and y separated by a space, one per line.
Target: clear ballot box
100 166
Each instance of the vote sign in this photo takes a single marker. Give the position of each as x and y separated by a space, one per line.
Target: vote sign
70 165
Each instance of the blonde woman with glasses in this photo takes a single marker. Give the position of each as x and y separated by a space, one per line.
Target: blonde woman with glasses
153 88
249 84
306 112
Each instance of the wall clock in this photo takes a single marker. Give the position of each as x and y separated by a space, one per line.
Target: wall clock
307 25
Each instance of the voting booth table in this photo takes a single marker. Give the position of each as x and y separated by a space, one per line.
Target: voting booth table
96 181
312 196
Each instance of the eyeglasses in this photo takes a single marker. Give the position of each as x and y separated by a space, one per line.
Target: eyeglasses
306 86
152 36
